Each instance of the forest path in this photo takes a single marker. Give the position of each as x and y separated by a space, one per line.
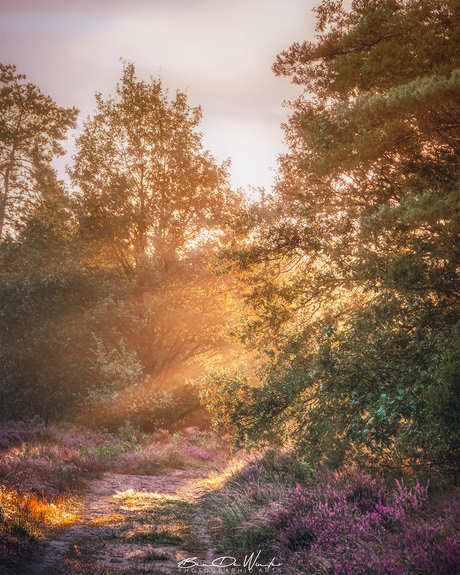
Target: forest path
132 524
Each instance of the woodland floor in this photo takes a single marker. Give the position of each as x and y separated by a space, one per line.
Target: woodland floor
131 524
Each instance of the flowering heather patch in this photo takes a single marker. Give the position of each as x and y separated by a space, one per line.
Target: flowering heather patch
9 438
77 437
14 434
176 454
52 458
195 452
336 523
43 468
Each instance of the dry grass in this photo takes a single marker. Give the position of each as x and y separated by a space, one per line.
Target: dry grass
26 519
28 514
219 477
51 470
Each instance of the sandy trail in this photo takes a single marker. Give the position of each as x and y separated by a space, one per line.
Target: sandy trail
93 544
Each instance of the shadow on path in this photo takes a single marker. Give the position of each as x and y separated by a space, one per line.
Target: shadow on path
131 524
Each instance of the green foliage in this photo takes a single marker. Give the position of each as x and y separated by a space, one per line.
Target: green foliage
373 167
104 453
353 281
31 128
127 432
153 203
109 300
52 350
51 359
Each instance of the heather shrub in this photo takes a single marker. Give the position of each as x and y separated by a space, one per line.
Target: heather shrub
192 434
149 461
9 438
58 458
75 438
14 434
45 469
364 491
335 523
162 454
41 465
198 453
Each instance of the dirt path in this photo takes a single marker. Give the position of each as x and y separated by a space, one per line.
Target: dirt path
131 524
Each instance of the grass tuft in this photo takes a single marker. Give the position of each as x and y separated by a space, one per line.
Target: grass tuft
157 537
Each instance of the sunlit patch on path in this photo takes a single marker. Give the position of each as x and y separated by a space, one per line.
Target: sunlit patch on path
131 524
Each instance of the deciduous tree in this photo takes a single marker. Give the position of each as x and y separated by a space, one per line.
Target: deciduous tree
155 203
148 187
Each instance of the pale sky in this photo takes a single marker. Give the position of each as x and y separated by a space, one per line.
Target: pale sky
219 52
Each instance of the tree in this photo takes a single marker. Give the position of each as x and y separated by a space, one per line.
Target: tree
364 245
31 128
147 185
50 359
154 203
109 301
373 167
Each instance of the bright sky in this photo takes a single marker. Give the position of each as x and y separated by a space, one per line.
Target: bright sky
219 52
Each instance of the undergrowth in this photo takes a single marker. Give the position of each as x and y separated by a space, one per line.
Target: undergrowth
318 521
311 519
44 468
